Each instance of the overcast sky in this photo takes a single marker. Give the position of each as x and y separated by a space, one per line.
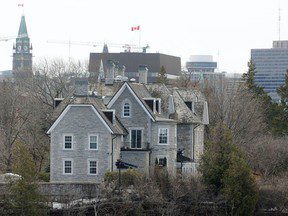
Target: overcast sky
226 29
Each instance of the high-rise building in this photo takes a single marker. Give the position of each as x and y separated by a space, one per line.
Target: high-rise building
271 66
201 64
22 55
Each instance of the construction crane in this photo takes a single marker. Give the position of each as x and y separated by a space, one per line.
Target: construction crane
7 38
127 47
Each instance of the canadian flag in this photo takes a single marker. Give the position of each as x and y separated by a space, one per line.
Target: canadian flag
135 28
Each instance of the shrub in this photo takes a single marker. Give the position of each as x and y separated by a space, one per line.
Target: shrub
128 177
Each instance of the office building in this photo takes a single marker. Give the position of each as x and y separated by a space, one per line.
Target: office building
271 66
132 61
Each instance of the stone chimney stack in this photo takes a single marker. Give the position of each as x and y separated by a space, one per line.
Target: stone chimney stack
143 74
121 70
81 87
109 79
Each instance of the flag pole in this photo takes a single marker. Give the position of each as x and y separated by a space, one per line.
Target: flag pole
139 36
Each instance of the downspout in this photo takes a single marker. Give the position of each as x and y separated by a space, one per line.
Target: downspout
193 146
112 152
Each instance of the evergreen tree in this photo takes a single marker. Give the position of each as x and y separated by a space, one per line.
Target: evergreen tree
225 170
249 78
162 76
283 90
25 198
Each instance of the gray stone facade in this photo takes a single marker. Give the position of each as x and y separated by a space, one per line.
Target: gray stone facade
80 122
149 126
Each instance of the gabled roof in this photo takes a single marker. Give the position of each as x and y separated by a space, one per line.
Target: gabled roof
97 106
182 113
126 85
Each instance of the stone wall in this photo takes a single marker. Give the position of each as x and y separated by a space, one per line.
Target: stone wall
137 157
64 192
80 122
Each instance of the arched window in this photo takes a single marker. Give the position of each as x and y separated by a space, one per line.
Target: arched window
126 109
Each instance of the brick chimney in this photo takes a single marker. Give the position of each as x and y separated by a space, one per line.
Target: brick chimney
143 74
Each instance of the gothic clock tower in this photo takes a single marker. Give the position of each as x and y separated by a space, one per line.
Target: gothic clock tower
22 55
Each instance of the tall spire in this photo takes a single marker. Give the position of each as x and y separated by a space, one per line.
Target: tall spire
23 29
105 48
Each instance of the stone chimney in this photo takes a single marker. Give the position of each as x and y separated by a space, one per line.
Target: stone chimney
109 79
81 87
143 74
121 70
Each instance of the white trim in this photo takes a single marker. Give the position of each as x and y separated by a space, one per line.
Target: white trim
63 141
120 91
89 141
159 136
88 167
130 137
78 105
130 108
63 166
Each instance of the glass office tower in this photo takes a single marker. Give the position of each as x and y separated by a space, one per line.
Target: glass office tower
271 65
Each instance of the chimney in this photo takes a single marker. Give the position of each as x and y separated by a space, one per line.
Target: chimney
143 73
121 70
81 87
109 79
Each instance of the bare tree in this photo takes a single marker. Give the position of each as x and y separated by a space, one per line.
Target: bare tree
54 78
13 116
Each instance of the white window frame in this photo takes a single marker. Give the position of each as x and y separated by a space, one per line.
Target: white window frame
130 108
72 141
159 130
89 141
88 167
63 166
130 137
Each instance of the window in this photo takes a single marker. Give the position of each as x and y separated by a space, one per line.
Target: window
68 139
93 142
161 161
126 109
67 167
136 138
163 135
92 167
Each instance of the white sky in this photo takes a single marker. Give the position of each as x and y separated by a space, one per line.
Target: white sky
226 29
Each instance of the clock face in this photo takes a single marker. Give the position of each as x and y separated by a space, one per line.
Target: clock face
19 48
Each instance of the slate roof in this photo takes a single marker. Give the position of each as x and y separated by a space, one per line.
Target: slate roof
97 103
182 113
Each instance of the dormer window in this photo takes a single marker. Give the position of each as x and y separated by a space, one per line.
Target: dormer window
126 109
190 105
154 104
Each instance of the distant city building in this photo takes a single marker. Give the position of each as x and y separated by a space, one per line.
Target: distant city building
271 65
132 61
22 56
201 64
201 70
233 82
